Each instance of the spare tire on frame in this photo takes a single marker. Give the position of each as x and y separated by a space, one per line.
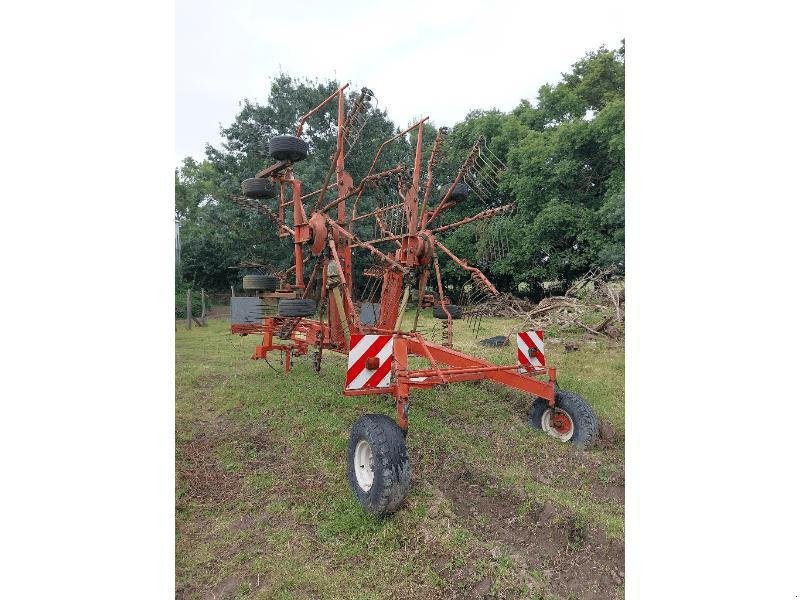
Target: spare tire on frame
258 187
459 192
262 283
297 307
288 147
455 311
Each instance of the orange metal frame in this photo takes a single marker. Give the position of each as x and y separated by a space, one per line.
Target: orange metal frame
331 240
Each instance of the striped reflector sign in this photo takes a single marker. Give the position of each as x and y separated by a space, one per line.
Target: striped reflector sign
363 373
530 348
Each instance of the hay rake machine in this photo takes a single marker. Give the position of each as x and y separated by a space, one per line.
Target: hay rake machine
318 311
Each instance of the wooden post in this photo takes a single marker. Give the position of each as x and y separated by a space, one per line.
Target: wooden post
189 308
203 318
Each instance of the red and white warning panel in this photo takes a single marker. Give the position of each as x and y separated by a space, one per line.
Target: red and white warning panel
369 362
530 348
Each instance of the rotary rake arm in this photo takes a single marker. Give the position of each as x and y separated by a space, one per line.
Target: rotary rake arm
255 205
435 152
476 274
357 119
419 126
358 190
445 202
337 94
334 226
486 214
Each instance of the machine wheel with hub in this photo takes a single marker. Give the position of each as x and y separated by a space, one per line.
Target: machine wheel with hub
572 419
378 468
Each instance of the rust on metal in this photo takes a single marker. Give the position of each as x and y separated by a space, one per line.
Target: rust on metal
405 252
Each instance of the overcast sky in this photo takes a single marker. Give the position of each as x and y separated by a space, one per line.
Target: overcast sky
421 58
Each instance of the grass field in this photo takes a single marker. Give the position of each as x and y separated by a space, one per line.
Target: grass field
496 510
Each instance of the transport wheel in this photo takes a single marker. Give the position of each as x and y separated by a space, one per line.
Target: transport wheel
378 468
288 147
265 283
572 420
455 311
257 187
296 307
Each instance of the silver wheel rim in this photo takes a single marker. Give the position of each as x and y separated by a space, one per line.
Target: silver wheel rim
548 428
363 465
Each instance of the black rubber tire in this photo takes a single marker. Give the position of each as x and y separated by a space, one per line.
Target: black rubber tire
455 311
258 187
460 191
264 283
296 307
392 475
584 419
288 147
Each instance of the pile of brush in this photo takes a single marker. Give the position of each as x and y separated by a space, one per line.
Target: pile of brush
598 293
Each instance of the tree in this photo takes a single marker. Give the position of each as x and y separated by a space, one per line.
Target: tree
565 157
216 234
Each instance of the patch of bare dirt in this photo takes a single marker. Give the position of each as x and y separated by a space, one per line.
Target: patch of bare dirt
204 479
228 588
574 559
202 475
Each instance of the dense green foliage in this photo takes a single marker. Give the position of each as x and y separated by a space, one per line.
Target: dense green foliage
565 160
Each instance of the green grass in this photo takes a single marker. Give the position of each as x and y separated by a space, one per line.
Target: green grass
264 510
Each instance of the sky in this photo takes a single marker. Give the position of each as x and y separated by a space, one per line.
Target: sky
439 59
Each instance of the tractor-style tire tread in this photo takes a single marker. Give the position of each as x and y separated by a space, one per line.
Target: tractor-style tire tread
455 311
288 147
296 307
460 191
258 187
263 283
392 474
584 419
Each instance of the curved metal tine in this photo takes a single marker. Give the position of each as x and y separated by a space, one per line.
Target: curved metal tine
488 177
488 187
476 187
490 164
488 171
485 147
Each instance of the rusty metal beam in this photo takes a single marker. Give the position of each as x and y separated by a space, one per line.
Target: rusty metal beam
250 203
486 214
274 169
334 225
464 265
316 109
